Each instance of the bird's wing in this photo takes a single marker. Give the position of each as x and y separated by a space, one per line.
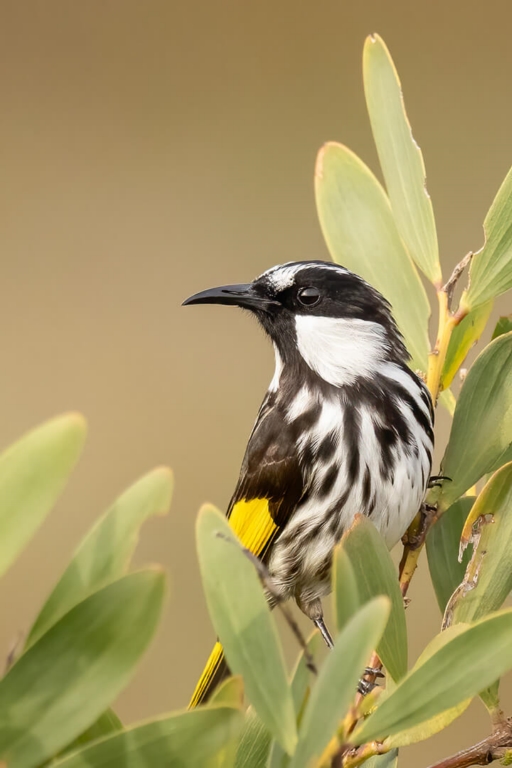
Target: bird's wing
271 482
270 486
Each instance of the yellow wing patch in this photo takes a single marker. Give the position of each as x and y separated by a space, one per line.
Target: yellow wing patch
253 524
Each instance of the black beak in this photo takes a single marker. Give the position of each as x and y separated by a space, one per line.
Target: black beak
243 295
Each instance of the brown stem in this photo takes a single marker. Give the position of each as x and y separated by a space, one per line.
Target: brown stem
494 747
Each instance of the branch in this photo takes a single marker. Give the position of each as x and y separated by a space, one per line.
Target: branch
494 747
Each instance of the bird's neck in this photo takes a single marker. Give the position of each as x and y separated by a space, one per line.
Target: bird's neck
336 351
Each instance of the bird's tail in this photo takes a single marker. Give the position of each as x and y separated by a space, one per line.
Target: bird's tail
214 673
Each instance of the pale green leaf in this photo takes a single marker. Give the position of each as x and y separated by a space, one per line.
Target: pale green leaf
442 720
448 401
245 625
400 158
334 690
344 587
64 682
204 737
490 273
302 680
107 724
254 743
363 544
443 681
465 335
443 542
104 554
481 435
361 234
229 693
490 697
389 760
428 728
488 579
33 473
504 325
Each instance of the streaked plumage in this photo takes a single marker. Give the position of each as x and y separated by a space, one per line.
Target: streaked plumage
345 428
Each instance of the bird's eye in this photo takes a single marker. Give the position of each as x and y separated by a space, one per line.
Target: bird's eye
309 296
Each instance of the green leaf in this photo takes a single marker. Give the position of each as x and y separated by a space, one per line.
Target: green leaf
504 325
245 625
334 690
443 542
487 582
203 737
64 682
229 693
447 399
344 587
400 158
488 579
254 743
442 720
490 273
302 681
363 544
465 335
490 697
361 234
481 435
105 553
443 682
303 677
33 473
389 760
107 724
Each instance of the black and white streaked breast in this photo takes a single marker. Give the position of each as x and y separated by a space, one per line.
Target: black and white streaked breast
363 425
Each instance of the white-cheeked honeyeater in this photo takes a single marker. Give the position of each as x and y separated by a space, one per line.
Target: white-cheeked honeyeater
346 427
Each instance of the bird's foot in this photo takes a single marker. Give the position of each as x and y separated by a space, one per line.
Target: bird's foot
436 481
320 624
427 515
364 687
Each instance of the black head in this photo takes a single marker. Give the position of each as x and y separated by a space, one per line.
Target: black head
286 293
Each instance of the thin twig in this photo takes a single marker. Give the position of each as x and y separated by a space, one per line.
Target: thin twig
277 600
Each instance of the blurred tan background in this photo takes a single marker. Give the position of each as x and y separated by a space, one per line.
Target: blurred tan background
152 149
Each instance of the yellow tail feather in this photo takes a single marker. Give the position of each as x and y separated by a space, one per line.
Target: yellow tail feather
207 679
254 525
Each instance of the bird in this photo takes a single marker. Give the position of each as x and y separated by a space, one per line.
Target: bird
345 428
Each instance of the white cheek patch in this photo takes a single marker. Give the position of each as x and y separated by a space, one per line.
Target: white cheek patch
340 350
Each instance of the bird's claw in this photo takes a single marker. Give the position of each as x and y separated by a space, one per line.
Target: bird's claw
364 687
375 671
436 481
